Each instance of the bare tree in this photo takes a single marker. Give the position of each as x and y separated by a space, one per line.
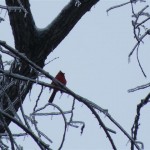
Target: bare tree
32 46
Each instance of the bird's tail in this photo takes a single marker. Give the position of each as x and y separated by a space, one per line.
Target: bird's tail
52 96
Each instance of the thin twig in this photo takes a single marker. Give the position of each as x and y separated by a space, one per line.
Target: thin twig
139 87
137 55
117 6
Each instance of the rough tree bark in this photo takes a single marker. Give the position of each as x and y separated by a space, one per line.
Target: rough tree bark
36 45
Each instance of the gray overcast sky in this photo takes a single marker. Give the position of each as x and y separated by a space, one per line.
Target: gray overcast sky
94 57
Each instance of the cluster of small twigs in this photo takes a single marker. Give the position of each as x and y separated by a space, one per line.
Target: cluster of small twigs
138 28
36 110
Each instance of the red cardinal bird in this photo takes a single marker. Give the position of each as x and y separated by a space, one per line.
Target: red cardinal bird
61 78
